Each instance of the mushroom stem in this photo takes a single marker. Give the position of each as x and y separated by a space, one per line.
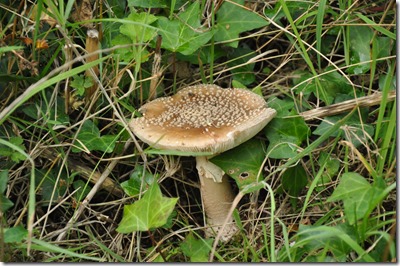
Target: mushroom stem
217 197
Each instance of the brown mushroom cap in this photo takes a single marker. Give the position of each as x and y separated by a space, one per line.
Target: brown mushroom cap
202 118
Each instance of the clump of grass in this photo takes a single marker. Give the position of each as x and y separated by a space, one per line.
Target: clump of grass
324 182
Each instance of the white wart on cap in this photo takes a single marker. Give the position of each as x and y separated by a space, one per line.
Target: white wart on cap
202 118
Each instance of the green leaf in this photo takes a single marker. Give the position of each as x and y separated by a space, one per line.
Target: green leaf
53 115
381 29
131 52
51 187
80 82
245 73
118 7
148 3
243 162
151 211
282 107
233 19
5 203
6 49
253 187
203 55
11 153
90 137
296 8
125 54
83 191
332 166
332 83
3 180
285 135
313 238
359 49
45 83
41 245
238 85
357 195
136 32
196 249
316 239
133 185
355 131
15 234
184 35
294 180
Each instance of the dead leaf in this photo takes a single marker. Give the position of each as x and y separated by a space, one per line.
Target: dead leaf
83 11
26 40
48 19
42 44
44 16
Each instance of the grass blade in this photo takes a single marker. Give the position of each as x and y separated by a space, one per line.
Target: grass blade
320 20
44 83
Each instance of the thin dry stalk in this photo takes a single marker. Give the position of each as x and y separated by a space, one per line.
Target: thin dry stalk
89 197
86 172
342 107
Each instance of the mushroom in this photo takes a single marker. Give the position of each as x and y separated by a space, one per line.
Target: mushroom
205 119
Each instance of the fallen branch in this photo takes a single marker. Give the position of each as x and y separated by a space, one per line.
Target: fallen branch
342 107
87 173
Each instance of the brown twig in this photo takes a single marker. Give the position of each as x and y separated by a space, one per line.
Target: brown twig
89 197
338 108
87 173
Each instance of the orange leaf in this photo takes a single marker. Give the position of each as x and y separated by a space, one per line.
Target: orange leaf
42 44
26 40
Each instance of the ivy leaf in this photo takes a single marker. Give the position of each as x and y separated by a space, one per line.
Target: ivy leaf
15 234
137 32
132 186
332 166
184 35
83 191
51 188
148 3
243 162
244 74
332 84
282 107
296 9
285 135
324 237
133 33
355 131
53 114
151 211
80 83
5 203
90 137
233 19
359 49
196 249
357 195
11 153
126 54
294 179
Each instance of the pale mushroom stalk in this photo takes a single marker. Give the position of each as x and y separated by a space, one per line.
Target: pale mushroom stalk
217 197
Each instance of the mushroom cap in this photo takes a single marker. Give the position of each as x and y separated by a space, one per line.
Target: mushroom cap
202 118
